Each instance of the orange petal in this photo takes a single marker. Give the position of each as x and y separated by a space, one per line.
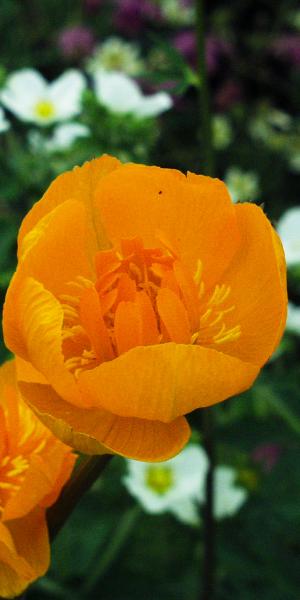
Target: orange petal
164 381
174 316
33 325
150 333
26 372
30 535
57 251
96 431
80 185
258 288
195 214
189 293
128 326
93 323
40 482
34 487
15 572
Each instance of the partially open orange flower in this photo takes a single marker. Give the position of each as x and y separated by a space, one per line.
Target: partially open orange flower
140 295
33 468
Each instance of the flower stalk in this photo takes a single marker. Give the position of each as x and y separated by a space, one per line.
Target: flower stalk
83 478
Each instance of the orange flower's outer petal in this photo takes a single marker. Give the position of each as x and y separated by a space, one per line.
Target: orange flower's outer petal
35 486
195 213
15 572
58 250
258 288
64 474
96 431
26 372
43 480
33 330
78 184
30 536
164 381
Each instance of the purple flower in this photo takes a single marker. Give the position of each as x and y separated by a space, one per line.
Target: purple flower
132 15
92 4
185 42
228 94
267 455
288 48
75 42
216 49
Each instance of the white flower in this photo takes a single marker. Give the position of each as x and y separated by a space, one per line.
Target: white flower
116 55
294 161
288 228
175 486
293 319
177 13
65 135
4 124
31 98
121 94
242 185
268 123
228 498
222 132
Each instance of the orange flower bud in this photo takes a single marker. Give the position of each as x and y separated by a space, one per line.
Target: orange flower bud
33 468
140 295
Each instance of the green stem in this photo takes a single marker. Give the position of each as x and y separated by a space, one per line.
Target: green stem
103 560
204 96
283 411
208 570
83 478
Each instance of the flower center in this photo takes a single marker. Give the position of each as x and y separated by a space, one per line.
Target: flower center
44 109
159 479
12 473
141 296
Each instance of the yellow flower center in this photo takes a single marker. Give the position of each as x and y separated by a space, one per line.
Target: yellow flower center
141 296
44 109
12 473
160 479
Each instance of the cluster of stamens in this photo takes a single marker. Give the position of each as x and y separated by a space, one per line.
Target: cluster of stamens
139 297
28 437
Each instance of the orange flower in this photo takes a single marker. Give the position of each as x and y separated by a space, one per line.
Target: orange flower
33 468
140 295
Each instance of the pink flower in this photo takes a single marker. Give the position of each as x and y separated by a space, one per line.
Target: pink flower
216 49
132 15
267 455
76 41
228 94
288 48
92 4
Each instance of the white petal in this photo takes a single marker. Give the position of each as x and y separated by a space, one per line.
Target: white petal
293 319
152 106
190 469
4 123
228 498
186 511
288 228
23 89
65 93
117 92
64 135
150 501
